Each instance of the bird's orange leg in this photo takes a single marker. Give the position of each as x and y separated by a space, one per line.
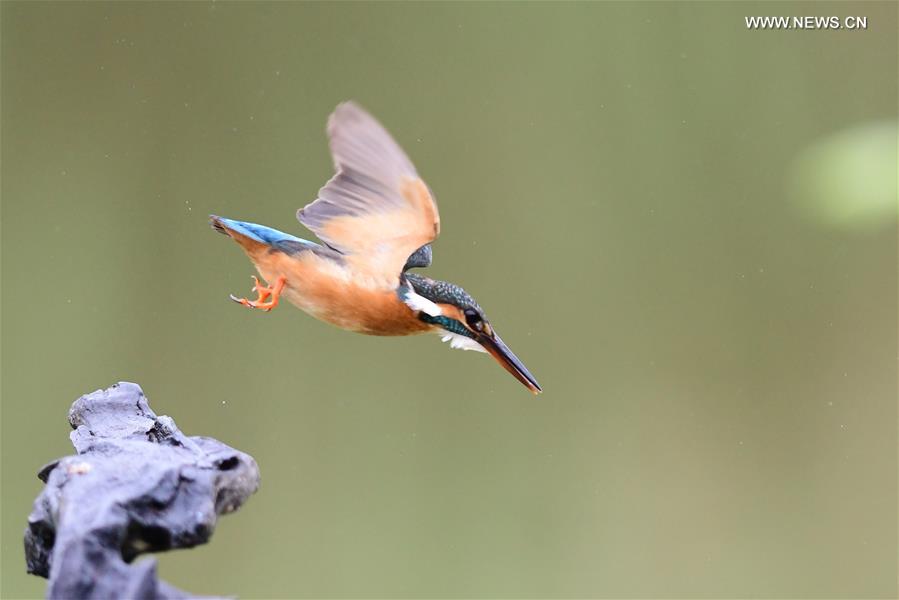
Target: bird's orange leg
264 292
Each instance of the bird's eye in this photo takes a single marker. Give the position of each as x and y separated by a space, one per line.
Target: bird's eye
473 319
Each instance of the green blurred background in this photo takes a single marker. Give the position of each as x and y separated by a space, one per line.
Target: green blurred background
686 229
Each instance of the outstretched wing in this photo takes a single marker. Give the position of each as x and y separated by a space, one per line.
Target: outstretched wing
376 209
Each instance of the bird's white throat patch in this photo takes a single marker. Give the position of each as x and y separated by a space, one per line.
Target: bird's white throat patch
460 341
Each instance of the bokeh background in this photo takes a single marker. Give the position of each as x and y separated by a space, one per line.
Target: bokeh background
686 229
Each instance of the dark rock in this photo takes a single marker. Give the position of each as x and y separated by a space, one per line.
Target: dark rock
136 485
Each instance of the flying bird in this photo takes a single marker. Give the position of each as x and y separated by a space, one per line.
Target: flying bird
376 219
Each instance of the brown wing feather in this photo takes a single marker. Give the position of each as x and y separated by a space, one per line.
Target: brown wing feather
376 208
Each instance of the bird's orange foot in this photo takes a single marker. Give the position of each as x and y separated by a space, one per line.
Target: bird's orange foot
264 293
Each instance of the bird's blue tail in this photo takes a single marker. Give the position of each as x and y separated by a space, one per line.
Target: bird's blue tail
258 233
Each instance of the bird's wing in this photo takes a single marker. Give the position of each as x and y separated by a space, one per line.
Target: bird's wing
376 209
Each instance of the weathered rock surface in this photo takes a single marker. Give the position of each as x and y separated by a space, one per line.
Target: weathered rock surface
136 485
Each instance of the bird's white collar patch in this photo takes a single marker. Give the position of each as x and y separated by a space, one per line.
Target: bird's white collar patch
460 341
420 303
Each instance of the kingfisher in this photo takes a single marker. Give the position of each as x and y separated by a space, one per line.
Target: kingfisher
376 219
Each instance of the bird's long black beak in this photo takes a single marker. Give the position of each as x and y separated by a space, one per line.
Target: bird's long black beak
498 350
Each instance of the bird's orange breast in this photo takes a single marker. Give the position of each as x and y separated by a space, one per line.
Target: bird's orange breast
337 294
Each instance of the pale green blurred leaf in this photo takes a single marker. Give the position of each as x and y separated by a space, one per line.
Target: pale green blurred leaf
848 179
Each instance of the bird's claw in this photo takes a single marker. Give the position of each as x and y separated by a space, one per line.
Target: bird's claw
263 293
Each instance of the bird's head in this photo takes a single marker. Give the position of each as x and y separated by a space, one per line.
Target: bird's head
460 321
